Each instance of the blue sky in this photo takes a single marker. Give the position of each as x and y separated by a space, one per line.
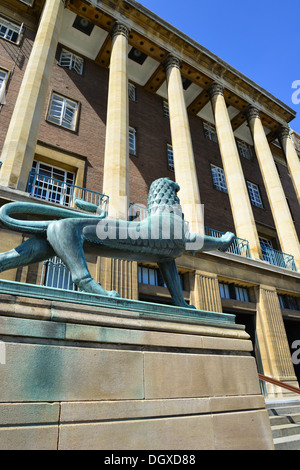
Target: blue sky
260 38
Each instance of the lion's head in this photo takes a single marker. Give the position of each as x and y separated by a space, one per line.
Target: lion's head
163 197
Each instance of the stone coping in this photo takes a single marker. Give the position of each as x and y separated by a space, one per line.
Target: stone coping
142 308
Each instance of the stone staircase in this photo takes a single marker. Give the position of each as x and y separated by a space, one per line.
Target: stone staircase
285 423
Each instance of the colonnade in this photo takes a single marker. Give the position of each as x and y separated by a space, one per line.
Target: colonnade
19 147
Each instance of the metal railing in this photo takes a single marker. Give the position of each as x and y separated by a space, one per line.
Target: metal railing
239 246
278 258
61 192
56 274
291 388
137 212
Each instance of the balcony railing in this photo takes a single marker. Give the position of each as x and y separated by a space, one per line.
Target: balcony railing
239 246
278 258
61 192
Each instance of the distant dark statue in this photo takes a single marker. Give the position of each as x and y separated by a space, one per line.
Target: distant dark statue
161 238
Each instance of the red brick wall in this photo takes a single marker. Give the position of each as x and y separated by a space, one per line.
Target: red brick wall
152 131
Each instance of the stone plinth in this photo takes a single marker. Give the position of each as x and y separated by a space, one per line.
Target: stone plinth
80 373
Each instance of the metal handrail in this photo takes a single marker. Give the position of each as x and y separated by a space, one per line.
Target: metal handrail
278 258
291 388
61 192
239 246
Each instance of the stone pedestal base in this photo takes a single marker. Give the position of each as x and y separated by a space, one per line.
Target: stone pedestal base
90 376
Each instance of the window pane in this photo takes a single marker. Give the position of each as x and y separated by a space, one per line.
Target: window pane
210 131
219 180
62 111
170 157
254 194
132 141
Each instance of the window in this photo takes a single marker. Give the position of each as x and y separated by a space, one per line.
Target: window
153 277
288 301
210 131
3 81
71 61
150 276
131 92
219 180
244 149
51 184
233 291
254 194
267 250
132 140
170 157
166 109
63 111
10 31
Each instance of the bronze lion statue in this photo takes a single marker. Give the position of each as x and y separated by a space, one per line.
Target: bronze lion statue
161 237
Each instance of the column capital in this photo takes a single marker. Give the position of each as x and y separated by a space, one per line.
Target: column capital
215 89
283 133
120 28
252 113
172 61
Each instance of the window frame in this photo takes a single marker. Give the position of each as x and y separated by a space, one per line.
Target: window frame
170 156
132 138
244 148
132 92
220 172
210 131
3 85
252 188
65 101
73 61
18 29
166 112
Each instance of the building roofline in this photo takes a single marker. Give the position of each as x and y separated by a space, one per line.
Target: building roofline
210 54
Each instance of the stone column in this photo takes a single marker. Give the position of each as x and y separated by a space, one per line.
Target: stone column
237 190
116 158
184 163
205 292
281 214
19 146
292 158
274 351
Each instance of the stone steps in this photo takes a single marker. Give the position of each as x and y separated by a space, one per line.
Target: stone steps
285 423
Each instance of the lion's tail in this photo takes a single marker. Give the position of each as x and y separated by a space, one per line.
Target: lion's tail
32 226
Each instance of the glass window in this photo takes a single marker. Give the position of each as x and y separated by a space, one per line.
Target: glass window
71 61
210 131
132 141
166 109
131 92
224 290
10 31
63 111
3 81
218 177
244 149
233 291
170 157
254 194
